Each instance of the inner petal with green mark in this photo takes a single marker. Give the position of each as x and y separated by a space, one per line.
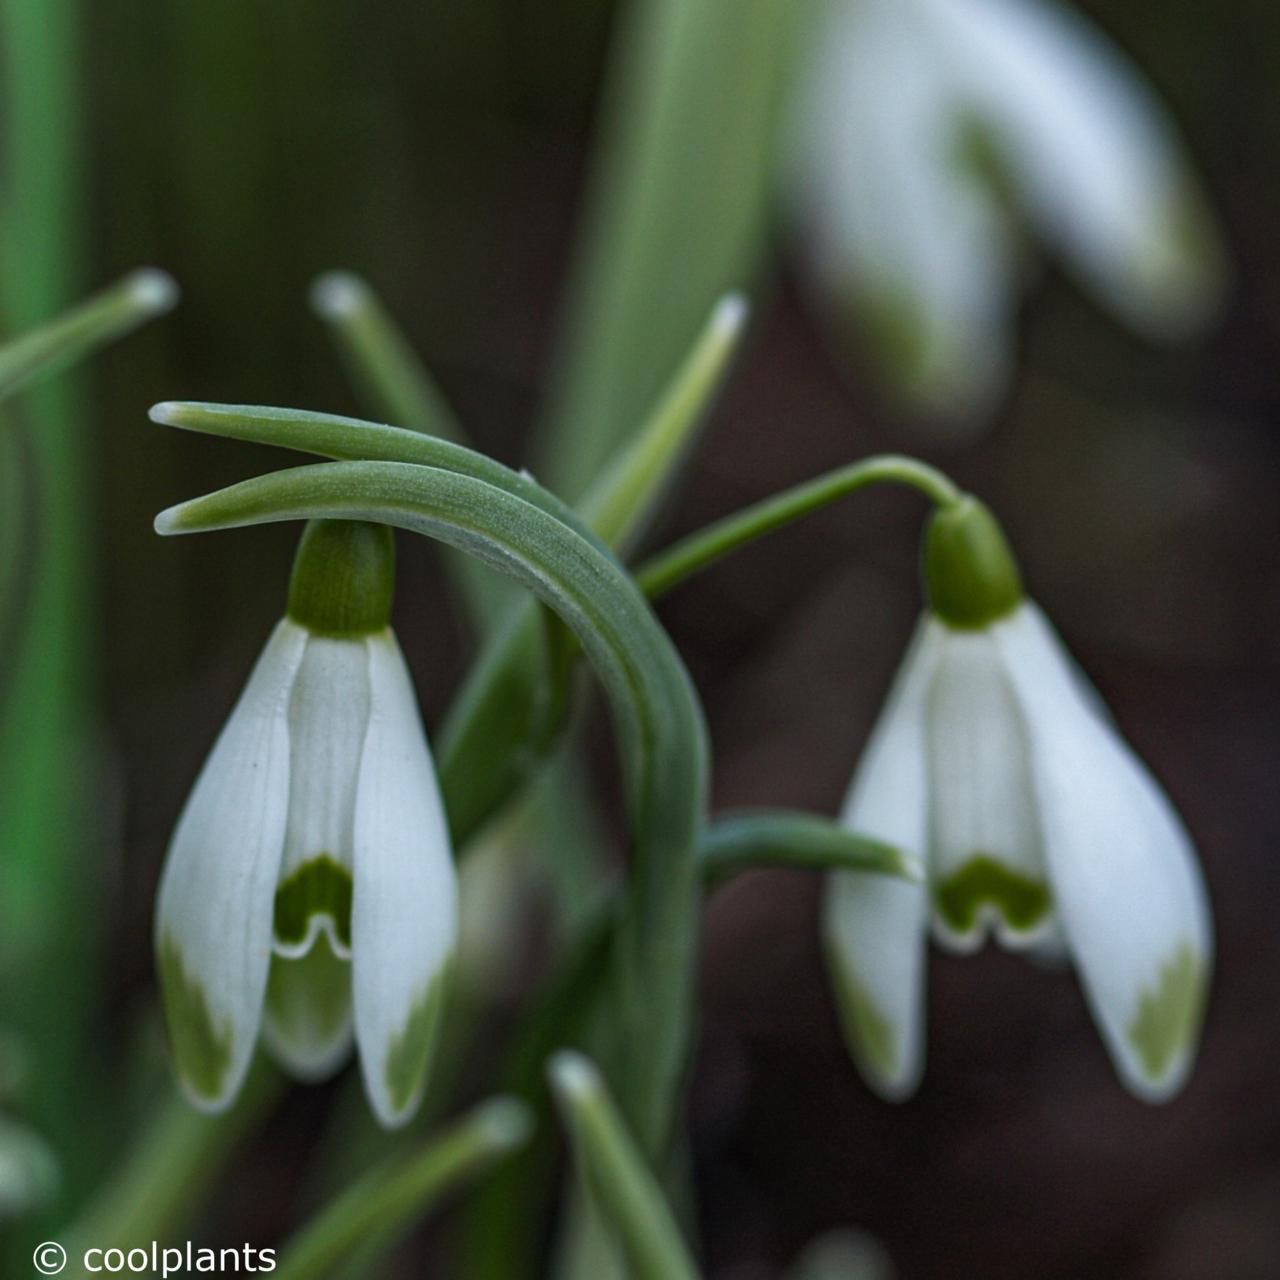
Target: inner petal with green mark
1169 1013
314 897
983 888
986 864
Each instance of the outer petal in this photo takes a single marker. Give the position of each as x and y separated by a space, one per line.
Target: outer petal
874 926
213 916
404 911
1092 152
908 241
986 865
1125 877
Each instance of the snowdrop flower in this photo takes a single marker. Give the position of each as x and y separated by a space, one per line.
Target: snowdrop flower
309 885
995 762
931 131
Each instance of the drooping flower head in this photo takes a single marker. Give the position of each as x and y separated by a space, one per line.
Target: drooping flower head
996 763
309 887
935 134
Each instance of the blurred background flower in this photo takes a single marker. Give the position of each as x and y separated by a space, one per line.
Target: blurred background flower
937 138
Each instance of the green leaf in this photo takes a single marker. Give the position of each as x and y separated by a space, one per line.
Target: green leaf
106 316
678 210
615 1175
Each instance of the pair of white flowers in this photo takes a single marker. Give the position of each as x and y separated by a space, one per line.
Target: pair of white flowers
995 762
309 888
933 132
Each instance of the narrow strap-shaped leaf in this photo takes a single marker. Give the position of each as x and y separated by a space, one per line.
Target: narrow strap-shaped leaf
615 1174
656 714
677 210
389 1199
108 315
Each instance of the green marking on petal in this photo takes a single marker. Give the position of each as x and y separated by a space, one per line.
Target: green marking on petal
201 1048
1023 902
309 1007
870 1035
898 330
318 887
410 1052
1169 1014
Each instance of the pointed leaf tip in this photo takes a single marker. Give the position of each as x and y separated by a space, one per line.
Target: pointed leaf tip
573 1075
338 294
731 314
154 290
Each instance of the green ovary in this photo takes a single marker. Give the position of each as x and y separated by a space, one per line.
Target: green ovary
1169 1013
410 1052
201 1047
982 881
318 887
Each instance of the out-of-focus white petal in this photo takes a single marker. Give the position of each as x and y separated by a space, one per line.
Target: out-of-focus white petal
1124 874
899 234
404 910
328 719
986 867
214 912
1090 150
307 1017
874 926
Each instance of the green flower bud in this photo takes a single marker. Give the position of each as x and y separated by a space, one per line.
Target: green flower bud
970 575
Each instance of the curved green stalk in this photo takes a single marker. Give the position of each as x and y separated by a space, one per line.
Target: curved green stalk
389 1199
702 549
656 714
615 1175
114 312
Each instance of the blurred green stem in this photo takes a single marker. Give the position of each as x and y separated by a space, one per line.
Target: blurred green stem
677 210
47 930
389 1199
617 1178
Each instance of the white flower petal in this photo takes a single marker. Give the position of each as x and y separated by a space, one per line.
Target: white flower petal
307 1017
1125 877
404 911
874 926
328 719
904 237
1092 151
214 911
986 866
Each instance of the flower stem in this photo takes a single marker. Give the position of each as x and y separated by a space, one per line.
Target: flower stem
704 548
